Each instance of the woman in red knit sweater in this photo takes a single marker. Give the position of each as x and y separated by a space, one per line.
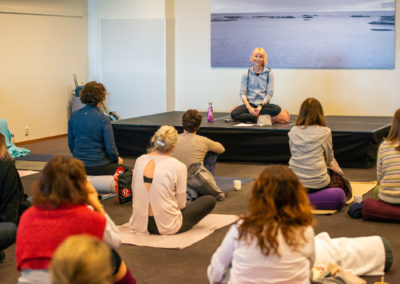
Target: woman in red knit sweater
61 199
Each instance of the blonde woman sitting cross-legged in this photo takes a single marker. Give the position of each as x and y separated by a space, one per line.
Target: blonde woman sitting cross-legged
159 190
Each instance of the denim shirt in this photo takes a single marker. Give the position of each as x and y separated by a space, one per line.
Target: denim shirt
91 137
257 88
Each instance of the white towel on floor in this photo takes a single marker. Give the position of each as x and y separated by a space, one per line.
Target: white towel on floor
203 229
360 256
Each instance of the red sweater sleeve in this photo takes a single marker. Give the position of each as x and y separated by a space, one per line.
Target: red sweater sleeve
40 232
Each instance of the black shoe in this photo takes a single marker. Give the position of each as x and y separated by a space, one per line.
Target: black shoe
2 256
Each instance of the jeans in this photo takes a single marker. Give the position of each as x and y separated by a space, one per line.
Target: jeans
210 159
8 232
242 114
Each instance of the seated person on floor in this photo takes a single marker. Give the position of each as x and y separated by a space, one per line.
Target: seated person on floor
61 200
13 201
386 208
274 242
311 151
191 149
90 134
355 255
159 186
83 259
256 91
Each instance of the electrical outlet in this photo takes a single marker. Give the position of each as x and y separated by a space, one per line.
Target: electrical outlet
26 130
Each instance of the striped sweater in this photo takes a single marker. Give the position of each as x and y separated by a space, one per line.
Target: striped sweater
388 172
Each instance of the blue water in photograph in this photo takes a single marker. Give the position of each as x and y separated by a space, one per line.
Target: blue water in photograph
359 40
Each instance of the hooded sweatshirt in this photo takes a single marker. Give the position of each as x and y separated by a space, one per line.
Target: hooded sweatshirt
311 149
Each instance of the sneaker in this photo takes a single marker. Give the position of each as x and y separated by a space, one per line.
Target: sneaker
220 197
263 120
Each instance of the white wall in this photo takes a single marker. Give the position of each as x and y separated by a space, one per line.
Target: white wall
38 55
342 92
131 47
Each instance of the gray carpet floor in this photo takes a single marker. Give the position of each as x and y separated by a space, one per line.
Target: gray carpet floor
150 265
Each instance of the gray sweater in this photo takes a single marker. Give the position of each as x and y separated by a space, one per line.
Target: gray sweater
311 150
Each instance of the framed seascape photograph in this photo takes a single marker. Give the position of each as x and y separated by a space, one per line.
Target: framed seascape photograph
353 34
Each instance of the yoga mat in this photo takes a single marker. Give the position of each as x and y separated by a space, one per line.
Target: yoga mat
204 228
29 165
226 183
35 157
23 173
359 188
106 196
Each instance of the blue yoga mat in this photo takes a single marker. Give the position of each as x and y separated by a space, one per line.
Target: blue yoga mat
226 183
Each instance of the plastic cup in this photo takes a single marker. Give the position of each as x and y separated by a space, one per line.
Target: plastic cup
237 184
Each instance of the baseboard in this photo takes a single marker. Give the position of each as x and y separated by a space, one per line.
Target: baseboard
40 139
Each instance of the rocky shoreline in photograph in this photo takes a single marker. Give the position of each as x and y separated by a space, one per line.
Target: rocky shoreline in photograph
385 20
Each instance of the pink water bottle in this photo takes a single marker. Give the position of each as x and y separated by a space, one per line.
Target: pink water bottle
210 114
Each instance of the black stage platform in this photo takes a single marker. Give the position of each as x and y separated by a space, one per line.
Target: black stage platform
355 138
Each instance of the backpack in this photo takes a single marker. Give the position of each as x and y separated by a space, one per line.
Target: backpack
123 185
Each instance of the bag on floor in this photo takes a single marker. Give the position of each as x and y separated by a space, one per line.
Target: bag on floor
282 117
123 185
203 181
339 180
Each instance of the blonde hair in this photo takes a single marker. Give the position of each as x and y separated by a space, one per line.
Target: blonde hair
163 140
81 259
259 50
394 132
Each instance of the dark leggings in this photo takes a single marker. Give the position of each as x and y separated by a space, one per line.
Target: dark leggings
8 233
242 114
191 214
115 261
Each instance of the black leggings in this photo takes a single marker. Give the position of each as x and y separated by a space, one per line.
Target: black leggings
115 261
191 214
242 114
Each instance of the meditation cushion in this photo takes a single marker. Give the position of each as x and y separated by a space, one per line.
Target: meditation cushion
282 117
332 198
375 210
